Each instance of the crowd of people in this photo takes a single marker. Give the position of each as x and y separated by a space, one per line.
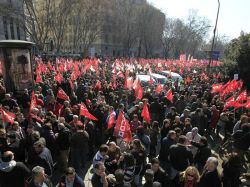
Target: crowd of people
172 149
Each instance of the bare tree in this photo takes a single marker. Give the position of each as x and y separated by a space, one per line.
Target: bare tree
185 36
86 19
60 13
38 21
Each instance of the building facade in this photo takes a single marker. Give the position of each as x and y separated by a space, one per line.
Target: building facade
11 20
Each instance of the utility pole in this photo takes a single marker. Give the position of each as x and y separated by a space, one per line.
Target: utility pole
215 28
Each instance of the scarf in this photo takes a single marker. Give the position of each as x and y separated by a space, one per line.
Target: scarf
188 184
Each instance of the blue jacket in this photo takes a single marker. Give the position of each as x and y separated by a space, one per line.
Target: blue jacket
78 182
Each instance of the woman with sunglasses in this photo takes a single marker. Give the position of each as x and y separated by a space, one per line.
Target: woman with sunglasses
189 178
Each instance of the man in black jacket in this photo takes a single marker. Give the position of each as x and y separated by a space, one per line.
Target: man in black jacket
63 142
42 157
12 173
159 174
242 138
210 176
167 142
203 153
180 156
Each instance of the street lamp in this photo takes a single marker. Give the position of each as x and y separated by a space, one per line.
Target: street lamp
215 28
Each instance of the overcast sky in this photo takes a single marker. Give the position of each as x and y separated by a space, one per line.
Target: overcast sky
234 14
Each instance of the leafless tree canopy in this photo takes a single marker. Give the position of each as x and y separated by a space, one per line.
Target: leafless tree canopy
77 24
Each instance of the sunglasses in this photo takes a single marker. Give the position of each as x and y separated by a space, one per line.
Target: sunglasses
190 175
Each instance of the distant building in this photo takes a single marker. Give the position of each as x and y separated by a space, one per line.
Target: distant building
11 20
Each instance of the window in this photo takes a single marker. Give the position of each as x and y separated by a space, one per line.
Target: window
5 28
12 29
18 32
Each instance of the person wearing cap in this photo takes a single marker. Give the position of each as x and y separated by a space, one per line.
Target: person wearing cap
12 173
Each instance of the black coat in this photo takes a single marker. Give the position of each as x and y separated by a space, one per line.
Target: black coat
180 157
210 179
165 146
49 136
203 153
80 141
44 159
231 173
162 177
15 177
63 139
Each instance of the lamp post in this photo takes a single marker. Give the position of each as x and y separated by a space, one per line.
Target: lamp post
215 28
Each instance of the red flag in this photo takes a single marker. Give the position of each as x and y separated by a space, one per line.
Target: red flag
74 76
145 113
139 93
159 88
247 104
181 71
39 78
111 120
128 83
33 103
242 96
84 112
98 85
125 84
59 78
216 88
114 81
240 84
229 102
62 95
136 84
169 95
51 68
120 74
187 80
7 116
122 128
71 85
151 81
58 109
